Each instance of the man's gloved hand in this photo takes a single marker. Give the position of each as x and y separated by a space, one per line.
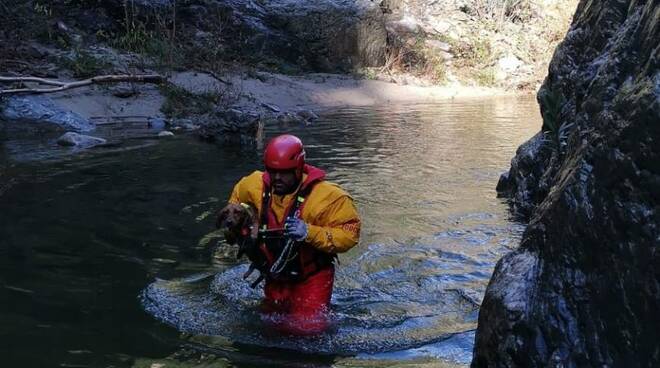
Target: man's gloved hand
295 229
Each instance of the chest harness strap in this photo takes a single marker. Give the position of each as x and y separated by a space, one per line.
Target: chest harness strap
289 259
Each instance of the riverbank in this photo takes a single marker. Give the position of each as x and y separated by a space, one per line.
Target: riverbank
319 91
238 103
262 92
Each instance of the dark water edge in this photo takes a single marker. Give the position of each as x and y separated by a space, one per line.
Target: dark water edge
82 236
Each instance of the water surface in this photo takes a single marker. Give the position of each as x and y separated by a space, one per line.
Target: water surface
89 242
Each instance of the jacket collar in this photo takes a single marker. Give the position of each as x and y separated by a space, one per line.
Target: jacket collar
311 175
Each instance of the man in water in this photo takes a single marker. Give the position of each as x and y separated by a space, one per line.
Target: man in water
304 221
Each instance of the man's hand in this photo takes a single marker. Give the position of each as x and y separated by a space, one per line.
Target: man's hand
295 229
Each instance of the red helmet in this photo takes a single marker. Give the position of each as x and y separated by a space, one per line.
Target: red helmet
285 152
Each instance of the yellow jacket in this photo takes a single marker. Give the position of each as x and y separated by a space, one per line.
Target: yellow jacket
333 223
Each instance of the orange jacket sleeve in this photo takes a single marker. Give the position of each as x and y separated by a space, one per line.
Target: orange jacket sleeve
235 196
340 230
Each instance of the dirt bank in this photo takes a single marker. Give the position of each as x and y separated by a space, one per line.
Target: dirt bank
261 93
321 91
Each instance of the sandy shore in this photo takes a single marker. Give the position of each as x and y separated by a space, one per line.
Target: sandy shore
264 92
320 91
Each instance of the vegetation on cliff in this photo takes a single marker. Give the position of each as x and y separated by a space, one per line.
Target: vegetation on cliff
499 43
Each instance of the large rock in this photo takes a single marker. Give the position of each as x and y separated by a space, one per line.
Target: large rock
530 177
231 126
316 35
583 289
42 110
72 139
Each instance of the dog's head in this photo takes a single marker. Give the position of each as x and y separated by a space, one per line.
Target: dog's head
238 222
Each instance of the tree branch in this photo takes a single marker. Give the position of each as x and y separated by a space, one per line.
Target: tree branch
31 79
61 86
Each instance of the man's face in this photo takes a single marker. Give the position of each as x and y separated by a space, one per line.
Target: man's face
283 181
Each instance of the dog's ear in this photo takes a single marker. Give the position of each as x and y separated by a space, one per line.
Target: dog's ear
221 217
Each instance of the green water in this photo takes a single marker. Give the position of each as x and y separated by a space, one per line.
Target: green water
83 237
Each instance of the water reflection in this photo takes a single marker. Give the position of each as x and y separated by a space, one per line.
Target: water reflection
80 238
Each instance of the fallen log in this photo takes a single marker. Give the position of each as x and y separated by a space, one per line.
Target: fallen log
61 86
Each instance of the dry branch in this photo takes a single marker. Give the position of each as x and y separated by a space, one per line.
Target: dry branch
61 86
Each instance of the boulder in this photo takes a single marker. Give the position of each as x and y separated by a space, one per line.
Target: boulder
229 125
336 35
72 139
307 115
509 63
317 35
405 25
437 45
583 289
507 66
42 110
289 118
157 123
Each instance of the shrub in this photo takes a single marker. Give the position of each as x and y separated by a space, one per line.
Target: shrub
152 35
412 56
500 10
485 77
180 102
554 130
84 65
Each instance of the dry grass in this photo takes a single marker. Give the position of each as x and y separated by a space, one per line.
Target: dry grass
180 102
414 58
526 29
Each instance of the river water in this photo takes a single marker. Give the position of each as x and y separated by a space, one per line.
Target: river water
108 258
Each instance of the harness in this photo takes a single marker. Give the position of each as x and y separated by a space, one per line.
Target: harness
287 259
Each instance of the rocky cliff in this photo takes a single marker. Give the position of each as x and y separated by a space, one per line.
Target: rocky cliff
583 289
297 36
499 43
315 35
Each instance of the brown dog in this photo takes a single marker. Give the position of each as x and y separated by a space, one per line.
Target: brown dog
241 226
238 221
